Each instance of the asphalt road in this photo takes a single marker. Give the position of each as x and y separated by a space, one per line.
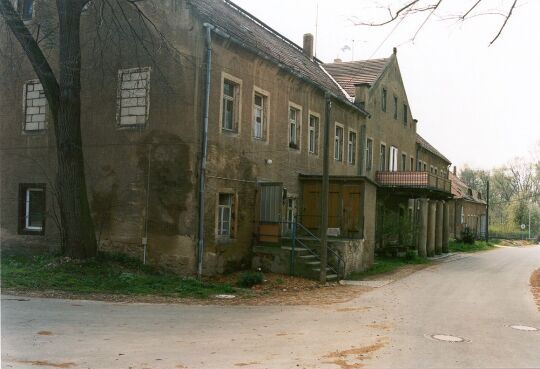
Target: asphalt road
477 298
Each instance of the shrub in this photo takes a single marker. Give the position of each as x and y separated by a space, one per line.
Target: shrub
250 279
468 236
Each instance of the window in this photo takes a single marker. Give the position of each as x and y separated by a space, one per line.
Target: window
351 152
405 114
313 135
294 128
462 215
133 96
369 154
225 221
338 143
260 103
32 208
382 158
403 162
395 107
35 107
393 162
383 99
230 106
412 164
26 9
290 213
425 167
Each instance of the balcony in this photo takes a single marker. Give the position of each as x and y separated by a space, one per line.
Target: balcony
413 181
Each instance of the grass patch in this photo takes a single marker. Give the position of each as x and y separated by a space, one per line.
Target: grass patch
383 265
108 274
458 246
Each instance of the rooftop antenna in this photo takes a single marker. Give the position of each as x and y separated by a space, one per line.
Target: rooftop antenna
352 51
316 28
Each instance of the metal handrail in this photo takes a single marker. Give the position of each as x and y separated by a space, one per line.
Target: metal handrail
332 251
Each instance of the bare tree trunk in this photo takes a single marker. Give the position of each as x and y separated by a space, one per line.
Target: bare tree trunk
78 236
78 228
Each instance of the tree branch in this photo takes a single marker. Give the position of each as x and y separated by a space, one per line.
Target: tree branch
35 55
505 21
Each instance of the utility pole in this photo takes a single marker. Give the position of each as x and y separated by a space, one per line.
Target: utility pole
325 188
529 208
487 212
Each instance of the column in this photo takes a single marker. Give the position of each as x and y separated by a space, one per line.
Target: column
422 227
439 228
432 212
446 227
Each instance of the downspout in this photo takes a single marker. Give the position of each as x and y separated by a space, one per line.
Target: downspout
204 149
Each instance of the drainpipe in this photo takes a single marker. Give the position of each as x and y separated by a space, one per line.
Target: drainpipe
204 149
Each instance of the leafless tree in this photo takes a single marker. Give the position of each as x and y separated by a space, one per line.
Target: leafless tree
59 39
430 7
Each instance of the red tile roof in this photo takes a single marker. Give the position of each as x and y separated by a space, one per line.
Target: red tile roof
460 190
348 74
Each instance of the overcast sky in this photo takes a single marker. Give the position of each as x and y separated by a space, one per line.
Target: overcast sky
478 105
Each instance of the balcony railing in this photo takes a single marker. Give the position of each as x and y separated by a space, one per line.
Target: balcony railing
413 180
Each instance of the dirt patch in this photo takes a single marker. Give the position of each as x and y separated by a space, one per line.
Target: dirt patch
46 363
535 286
384 326
276 290
349 309
515 243
45 333
352 358
247 364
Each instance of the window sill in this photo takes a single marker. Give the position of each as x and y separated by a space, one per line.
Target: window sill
34 132
229 132
223 240
128 127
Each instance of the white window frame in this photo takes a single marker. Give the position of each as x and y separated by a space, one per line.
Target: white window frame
297 123
237 105
290 211
315 132
123 95
339 142
265 110
352 147
27 225
220 210
393 159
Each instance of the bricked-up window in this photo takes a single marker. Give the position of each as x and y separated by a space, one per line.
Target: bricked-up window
313 135
35 107
32 208
351 152
133 96
338 143
260 116
383 99
369 154
226 215
294 128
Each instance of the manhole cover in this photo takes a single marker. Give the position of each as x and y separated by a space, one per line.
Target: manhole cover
523 328
446 338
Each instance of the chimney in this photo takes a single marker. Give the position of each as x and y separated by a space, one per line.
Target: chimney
360 94
395 50
455 170
308 45
338 60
